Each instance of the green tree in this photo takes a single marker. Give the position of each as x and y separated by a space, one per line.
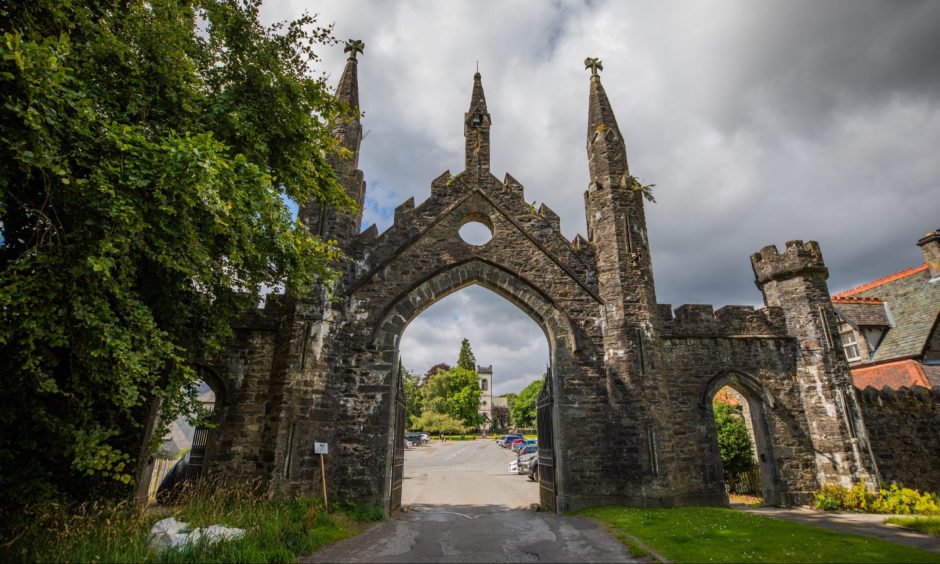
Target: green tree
436 423
414 396
734 441
523 410
465 359
148 151
455 392
500 418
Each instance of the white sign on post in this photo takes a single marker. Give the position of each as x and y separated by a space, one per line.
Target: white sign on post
321 448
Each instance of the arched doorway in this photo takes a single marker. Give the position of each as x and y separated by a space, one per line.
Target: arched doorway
511 355
554 324
753 403
187 443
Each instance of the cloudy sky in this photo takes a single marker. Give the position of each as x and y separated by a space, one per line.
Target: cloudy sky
759 122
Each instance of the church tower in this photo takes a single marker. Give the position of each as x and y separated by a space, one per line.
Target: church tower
322 219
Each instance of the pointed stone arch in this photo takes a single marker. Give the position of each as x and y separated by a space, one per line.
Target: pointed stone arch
759 400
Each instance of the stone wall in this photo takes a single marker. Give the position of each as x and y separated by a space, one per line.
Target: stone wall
904 426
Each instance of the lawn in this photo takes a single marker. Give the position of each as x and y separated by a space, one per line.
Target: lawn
929 524
711 534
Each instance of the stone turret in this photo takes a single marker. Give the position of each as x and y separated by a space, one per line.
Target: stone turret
795 280
476 132
323 220
617 231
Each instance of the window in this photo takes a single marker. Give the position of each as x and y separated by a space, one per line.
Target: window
850 346
484 385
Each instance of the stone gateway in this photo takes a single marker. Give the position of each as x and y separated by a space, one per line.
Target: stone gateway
635 375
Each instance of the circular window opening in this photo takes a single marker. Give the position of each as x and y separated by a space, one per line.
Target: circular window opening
475 233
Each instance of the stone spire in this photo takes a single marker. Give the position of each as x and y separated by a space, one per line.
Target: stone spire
323 220
607 157
348 88
477 131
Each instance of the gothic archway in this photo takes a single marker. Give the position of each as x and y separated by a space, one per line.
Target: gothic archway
758 401
553 322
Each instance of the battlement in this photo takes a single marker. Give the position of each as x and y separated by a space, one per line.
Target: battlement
549 215
733 320
485 369
798 259
900 397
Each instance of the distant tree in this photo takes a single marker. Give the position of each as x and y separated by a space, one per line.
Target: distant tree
441 366
414 396
500 418
436 423
511 398
455 392
737 454
523 412
465 359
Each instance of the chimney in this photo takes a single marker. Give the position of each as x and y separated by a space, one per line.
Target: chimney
930 245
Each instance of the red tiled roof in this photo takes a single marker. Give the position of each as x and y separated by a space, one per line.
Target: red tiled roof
851 300
894 375
881 281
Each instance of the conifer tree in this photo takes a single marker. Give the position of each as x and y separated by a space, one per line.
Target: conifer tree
466 360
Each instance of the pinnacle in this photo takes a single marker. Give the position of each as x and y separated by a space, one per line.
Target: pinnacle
477 98
348 89
600 114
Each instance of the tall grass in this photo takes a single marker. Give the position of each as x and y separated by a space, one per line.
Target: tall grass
276 530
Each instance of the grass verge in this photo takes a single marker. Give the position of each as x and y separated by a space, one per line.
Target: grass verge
712 534
929 524
276 530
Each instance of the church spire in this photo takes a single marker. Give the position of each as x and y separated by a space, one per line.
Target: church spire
320 218
607 157
348 88
477 131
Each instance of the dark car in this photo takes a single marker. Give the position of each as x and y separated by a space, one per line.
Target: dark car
517 446
513 442
528 449
506 440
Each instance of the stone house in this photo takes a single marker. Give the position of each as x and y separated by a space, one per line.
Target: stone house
890 327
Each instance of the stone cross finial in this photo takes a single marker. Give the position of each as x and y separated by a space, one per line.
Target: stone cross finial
354 46
593 64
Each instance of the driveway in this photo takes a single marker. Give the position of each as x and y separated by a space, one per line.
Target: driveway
463 506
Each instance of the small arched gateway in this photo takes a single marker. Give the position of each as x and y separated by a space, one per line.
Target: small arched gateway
625 371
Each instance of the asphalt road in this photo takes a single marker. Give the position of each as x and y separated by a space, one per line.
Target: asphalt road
462 505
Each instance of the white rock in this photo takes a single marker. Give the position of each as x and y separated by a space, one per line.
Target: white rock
170 533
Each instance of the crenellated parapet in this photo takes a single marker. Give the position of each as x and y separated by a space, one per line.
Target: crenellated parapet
699 320
798 259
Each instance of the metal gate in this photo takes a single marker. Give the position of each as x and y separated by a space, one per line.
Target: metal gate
398 448
546 435
197 452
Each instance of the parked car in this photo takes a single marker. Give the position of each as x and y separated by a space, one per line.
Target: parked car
513 442
528 449
534 470
506 440
525 462
417 438
525 442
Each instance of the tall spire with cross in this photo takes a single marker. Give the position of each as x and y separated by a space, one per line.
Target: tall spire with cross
607 156
477 131
319 218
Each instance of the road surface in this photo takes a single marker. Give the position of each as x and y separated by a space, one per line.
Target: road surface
462 505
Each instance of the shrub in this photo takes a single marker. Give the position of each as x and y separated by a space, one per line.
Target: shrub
891 499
